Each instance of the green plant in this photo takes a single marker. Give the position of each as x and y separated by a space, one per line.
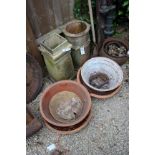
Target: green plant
81 10
124 9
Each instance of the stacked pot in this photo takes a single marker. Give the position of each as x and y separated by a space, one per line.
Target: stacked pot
63 125
77 33
108 74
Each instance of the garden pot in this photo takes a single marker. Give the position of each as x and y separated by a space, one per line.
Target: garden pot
104 66
70 86
56 52
94 93
55 43
104 53
77 33
78 58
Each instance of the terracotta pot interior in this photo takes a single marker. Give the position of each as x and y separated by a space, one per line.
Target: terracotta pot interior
64 87
75 28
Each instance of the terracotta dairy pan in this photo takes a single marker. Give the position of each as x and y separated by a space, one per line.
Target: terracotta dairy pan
97 94
65 85
102 66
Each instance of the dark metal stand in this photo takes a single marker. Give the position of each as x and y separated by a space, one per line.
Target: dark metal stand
107 11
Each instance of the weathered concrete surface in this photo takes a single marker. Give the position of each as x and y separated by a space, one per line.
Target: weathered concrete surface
106 134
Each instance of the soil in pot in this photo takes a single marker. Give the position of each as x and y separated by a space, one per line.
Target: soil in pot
99 80
116 50
65 106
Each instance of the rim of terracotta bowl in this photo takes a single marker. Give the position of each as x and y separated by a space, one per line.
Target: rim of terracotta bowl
87 100
71 130
106 59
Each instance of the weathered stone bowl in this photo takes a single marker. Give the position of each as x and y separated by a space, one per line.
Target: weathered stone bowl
105 66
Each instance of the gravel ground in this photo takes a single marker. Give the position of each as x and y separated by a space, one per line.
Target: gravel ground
106 134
